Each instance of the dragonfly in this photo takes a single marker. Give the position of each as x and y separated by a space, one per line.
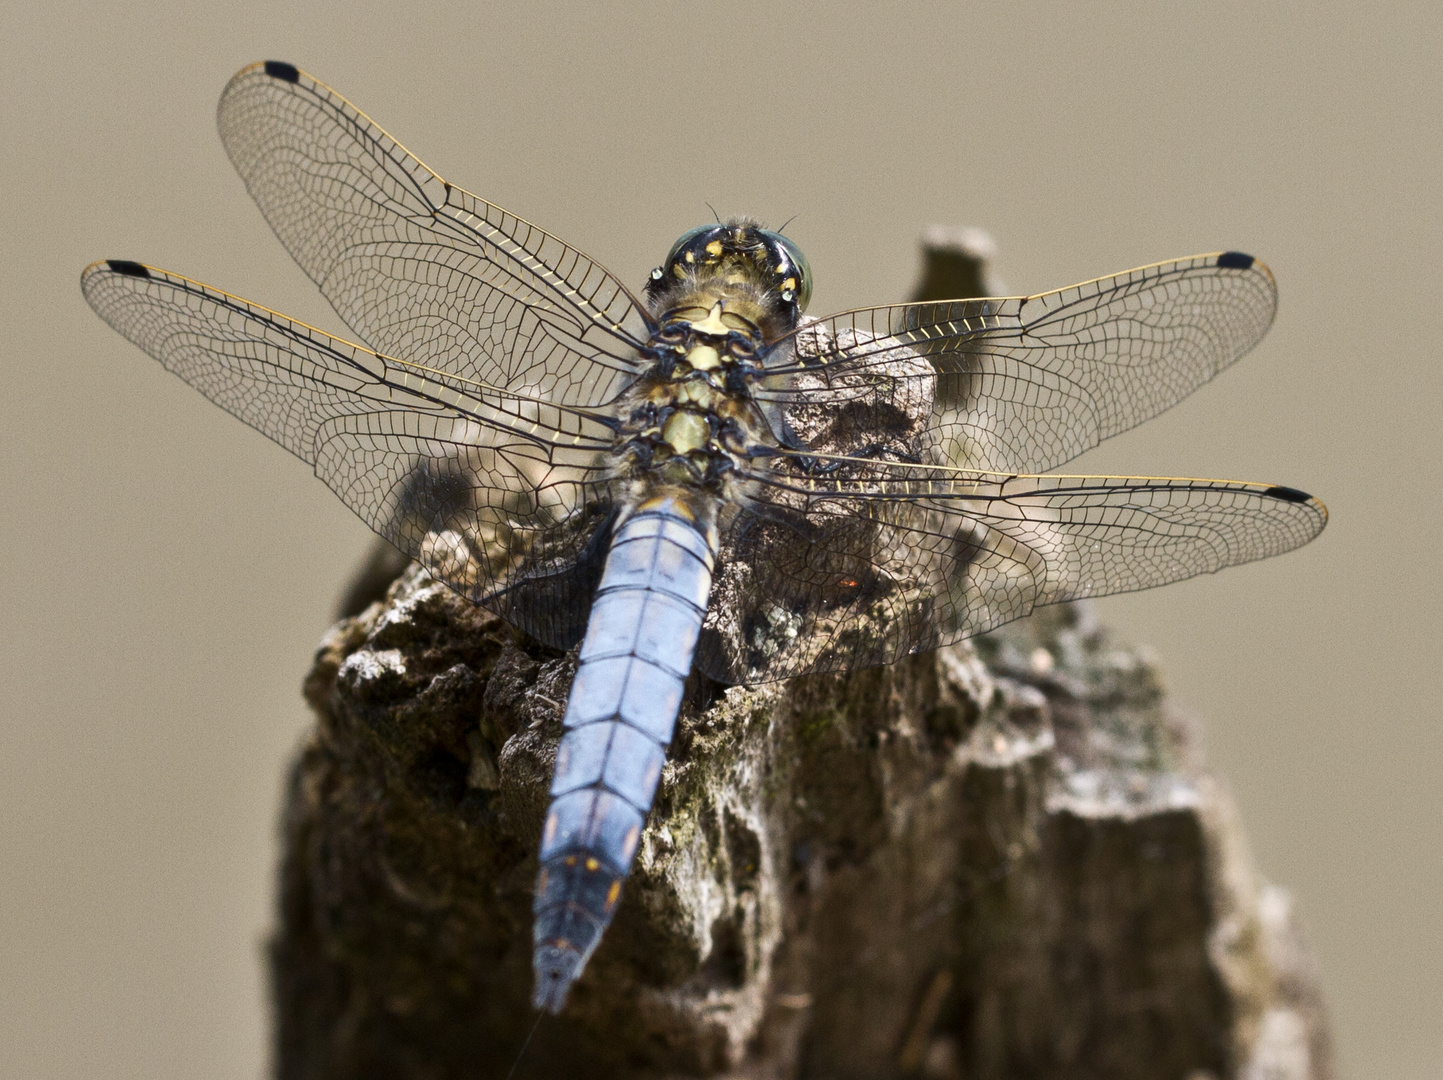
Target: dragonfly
696 475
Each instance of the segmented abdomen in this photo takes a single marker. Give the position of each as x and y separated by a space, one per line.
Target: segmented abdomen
636 655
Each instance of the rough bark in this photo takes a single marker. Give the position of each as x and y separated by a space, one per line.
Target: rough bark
1003 859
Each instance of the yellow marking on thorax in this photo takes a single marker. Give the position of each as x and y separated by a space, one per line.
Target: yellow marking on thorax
697 392
686 431
704 357
712 324
656 502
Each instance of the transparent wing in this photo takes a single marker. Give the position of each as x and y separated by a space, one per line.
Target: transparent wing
838 573
1024 384
498 493
419 269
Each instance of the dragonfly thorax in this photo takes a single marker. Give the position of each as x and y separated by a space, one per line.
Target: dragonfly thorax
691 417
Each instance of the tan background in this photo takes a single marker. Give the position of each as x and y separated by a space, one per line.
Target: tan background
166 571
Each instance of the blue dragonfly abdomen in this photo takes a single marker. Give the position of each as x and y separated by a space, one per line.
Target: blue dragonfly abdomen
619 720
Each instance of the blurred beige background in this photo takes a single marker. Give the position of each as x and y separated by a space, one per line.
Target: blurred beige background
167 572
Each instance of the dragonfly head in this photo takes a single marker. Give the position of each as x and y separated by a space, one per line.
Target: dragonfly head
756 273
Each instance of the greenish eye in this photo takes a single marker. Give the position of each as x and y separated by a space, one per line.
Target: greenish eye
685 239
799 263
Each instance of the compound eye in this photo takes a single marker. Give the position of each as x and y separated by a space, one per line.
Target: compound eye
799 264
688 238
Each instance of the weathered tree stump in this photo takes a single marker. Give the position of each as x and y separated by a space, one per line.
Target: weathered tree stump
1001 860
